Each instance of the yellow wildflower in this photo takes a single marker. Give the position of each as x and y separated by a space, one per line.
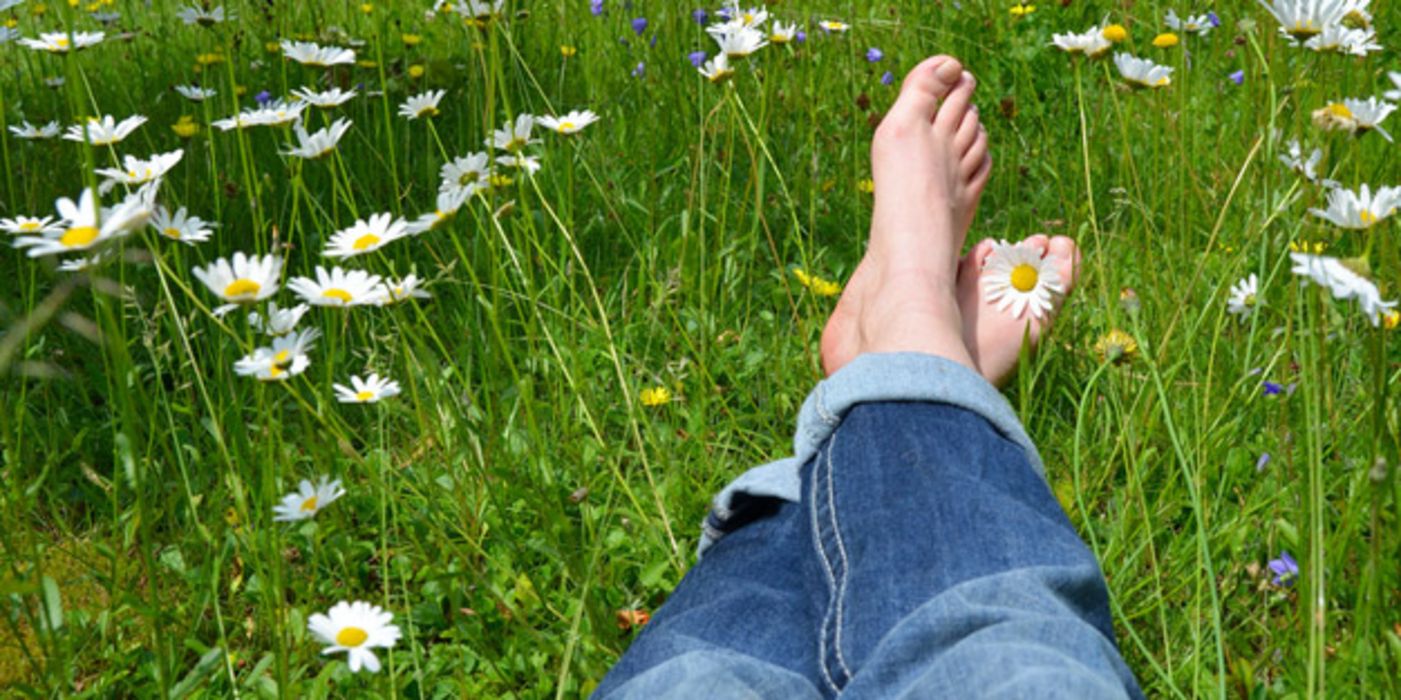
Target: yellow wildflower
185 127
1115 33
567 51
411 39
1165 40
367 8
1116 346
1022 9
416 70
1303 246
654 396
1391 320
866 185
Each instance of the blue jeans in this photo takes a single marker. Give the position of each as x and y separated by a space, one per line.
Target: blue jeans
911 549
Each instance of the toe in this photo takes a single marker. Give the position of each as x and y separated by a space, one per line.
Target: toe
1067 261
967 132
976 155
980 177
978 256
951 112
1038 242
924 86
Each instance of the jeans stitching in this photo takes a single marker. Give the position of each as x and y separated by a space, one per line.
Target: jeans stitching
831 579
841 552
820 403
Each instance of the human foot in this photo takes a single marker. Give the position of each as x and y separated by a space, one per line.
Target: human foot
930 163
994 335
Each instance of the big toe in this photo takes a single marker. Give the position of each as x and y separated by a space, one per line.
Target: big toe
924 86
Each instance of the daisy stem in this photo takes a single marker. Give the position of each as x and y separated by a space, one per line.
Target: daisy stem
5 149
1085 159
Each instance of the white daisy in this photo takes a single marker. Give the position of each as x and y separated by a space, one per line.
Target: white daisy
422 105
571 123
395 291
195 14
307 500
80 264
32 226
311 54
59 42
279 321
326 99
480 10
449 202
1199 24
104 131
1343 283
1359 210
1336 37
1295 161
369 390
520 161
514 135
748 17
366 236
195 93
319 144
1301 19
1141 72
286 358
469 173
1367 114
136 171
338 287
1244 297
8 34
783 33
180 226
25 130
1090 43
1394 95
355 628
1018 278
717 69
245 280
86 224
741 42
832 25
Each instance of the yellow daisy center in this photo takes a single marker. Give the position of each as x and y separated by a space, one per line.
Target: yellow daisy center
309 504
1367 217
1340 110
1024 277
1304 28
62 42
281 359
172 232
566 126
365 241
79 236
28 226
243 287
351 636
749 18
364 395
340 294
274 372
468 177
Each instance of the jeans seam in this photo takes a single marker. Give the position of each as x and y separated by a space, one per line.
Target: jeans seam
841 552
831 578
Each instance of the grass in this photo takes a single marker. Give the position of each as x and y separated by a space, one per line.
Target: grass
518 494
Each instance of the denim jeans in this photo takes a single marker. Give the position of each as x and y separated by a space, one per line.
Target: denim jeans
911 549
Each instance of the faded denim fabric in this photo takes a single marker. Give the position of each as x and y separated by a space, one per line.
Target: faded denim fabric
918 553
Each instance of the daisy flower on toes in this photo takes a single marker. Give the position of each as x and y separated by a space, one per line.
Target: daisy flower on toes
355 628
307 500
1010 291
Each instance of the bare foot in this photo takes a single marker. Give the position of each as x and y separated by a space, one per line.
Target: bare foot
993 335
930 163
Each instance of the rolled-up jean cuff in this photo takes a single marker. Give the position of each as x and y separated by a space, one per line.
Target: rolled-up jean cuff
871 378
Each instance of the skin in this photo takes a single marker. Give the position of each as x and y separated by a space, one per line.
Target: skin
912 292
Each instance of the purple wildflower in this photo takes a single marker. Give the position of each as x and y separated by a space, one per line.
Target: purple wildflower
1263 462
800 37
639 25
596 7
724 13
700 16
1285 568
887 78
874 54
697 58
1272 388
263 97
640 70
1238 77
1211 17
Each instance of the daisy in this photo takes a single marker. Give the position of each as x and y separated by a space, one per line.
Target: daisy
355 628
717 70
1365 114
1359 210
520 161
1343 283
1018 278
368 390
245 280
311 54
8 34
1336 37
783 33
480 10
327 99
1141 72
422 105
104 131
30 225
449 202
1295 161
195 14
319 144
86 224
394 291
180 226
469 173
195 93
1200 24
80 264
741 43
1394 95
366 237
307 500
571 123
279 321
286 358
514 135
59 42
135 171
1302 19
28 131
832 25
1091 43
337 287
1244 297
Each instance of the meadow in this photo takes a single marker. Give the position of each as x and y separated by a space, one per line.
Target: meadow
609 322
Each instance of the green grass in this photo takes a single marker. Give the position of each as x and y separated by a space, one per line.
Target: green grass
518 494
